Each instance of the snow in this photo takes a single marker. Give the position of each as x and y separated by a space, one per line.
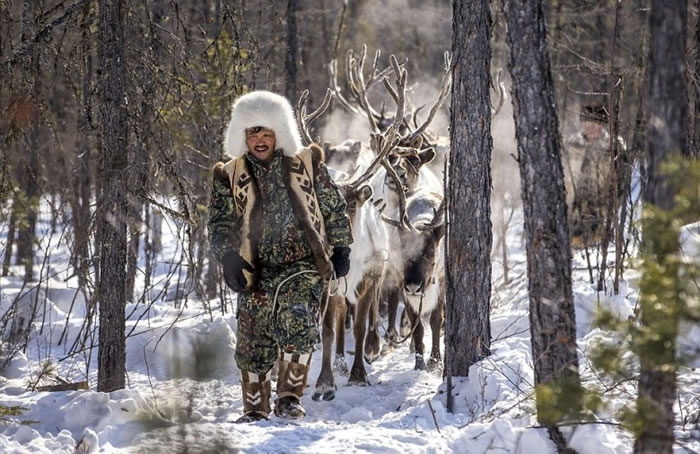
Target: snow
183 385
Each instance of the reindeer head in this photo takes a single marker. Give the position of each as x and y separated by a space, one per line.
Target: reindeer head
407 163
355 198
343 157
422 251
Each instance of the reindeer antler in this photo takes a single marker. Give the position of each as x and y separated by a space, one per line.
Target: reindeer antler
303 120
445 85
438 218
383 143
358 84
501 91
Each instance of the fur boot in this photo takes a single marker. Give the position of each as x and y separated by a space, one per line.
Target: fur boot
294 372
256 396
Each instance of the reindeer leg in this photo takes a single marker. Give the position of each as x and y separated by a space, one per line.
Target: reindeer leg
405 327
349 314
325 384
373 343
435 361
417 336
339 364
393 307
358 374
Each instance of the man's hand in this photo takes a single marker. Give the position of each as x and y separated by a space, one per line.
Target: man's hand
233 271
341 260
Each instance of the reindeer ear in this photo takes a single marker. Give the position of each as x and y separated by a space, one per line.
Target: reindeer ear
364 193
427 155
416 142
438 231
356 147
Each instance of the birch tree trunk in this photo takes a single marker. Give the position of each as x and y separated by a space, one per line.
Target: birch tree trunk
112 201
552 318
468 292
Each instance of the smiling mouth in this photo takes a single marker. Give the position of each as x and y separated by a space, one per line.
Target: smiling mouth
261 148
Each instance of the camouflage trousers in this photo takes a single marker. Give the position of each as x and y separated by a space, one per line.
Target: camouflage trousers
291 326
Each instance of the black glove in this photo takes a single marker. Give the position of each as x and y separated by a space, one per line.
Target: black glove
341 260
233 271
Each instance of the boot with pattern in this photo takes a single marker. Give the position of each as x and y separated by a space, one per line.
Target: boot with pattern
256 396
294 372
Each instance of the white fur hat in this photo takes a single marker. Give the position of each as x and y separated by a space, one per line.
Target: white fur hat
267 109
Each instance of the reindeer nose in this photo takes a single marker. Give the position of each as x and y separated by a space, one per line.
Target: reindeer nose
414 288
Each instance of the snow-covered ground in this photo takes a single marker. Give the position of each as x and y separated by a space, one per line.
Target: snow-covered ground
165 409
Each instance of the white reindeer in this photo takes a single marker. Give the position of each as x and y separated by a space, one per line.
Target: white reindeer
361 288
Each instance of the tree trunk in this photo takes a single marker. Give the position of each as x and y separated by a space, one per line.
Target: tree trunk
552 318
667 136
112 202
30 170
7 258
696 133
80 198
468 293
290 65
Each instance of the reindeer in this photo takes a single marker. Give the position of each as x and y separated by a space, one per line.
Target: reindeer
404 169
363 282
414 165
423 273
361 289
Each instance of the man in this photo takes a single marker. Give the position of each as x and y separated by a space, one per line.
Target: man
277 224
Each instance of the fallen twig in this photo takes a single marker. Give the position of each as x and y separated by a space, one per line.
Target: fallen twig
432 412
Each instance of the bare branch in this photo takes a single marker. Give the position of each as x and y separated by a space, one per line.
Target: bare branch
27 47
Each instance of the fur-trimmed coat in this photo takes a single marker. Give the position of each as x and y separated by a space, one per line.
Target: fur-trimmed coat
286 215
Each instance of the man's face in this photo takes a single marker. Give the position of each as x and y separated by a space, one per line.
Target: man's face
261 142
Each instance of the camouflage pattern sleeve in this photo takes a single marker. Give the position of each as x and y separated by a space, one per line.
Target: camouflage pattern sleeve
333 208
222 226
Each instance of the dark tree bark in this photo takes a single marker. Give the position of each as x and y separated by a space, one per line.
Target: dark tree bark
6 261
552 318
290 63
667 135
112 200
695 149
80 197
31 169
468 292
